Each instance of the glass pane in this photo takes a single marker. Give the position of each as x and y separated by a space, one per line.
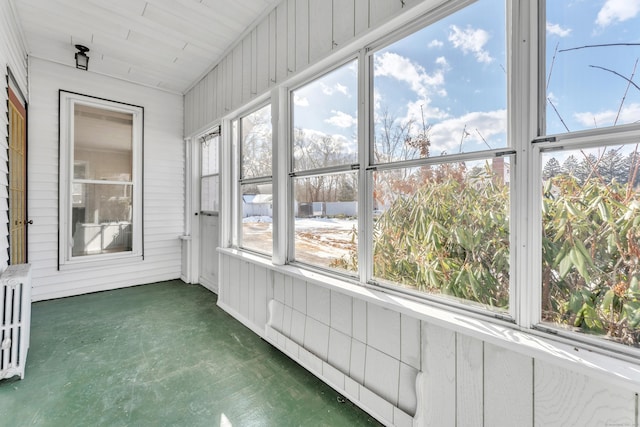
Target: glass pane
209 194
591 241
325 120
592 56
257 217
210 155
443 89
102 145
444 229
256 143
326 221
101 219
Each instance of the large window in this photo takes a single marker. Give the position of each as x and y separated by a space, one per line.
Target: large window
255 231
591 179
100 179
324 156
438 162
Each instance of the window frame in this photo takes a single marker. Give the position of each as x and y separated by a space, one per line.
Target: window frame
346 168
67 102
236 141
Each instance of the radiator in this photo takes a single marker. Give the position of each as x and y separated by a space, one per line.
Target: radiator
15 319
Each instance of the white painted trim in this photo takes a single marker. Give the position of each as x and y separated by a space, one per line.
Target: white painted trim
67 102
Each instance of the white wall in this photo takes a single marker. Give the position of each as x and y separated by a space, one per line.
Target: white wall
163 182
12 55
404 362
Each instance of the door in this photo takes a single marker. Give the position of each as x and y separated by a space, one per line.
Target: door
209 207
17 177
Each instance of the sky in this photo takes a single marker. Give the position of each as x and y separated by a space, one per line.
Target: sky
452 74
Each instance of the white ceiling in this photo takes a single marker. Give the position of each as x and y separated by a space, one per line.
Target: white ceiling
168 44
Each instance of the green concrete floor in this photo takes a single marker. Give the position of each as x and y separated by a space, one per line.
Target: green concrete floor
160 355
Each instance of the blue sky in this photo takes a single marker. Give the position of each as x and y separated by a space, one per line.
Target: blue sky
453 73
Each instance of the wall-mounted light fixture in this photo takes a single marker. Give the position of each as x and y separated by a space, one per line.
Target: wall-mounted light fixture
82 60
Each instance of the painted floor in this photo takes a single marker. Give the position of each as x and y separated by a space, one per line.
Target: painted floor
160 355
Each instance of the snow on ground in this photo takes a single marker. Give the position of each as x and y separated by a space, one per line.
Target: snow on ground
318 240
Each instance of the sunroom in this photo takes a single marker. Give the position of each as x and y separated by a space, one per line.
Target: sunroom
432 206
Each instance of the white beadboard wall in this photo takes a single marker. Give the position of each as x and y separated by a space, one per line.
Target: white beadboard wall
13 56
163 182
403 370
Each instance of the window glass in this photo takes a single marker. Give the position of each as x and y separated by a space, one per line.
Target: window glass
256 143
257 217
103 144
209 180
326 221
325 120
255 231
591 241
101 212
325 189
592 53
444 229
442 90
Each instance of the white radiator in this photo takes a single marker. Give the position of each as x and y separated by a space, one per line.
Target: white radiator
15 319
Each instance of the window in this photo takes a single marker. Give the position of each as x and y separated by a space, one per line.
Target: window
100 179
590 226
324 156
255 231
440 171
210 173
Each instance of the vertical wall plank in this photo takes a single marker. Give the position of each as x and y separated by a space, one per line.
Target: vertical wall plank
273 51
508 388
343 21
291 36
302 34
361 16
320 37
439 385
228 83
236 97
219 90
281 42
247 64
382 10
262 55
565 398
254 62
469 381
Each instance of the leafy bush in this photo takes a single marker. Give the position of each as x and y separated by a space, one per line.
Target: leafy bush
448 233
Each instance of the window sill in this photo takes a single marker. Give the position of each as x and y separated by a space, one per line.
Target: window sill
104 261
618 369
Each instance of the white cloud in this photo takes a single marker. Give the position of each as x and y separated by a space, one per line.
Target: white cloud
446 135
628 114
617 11
342 89
342 120
471 40
327 90
435 43
557 30
442 61
300 101
402 69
